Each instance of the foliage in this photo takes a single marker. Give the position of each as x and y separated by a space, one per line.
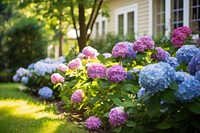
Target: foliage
170 101
22 40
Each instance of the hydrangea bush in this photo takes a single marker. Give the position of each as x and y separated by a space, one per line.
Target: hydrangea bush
136 87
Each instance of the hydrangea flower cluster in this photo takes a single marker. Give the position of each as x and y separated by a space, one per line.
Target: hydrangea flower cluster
81 56
22 72
143 44
41 68
116 73
117 116
182 76
172 61
161 54
156 77
16 78
185 53
131 53
56 78
194 64
75 64
62 67
89 52
77 96
96 70
188 90
24 80
45 92
107 55
120 50
93 123
197 75
141 92
31 66
180 35
129 75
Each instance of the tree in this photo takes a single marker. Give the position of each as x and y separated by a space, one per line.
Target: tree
79 20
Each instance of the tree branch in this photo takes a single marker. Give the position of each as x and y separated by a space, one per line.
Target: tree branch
73 18
92 14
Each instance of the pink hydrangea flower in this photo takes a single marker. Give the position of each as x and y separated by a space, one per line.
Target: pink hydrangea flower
120 50
96 70
117 116
160 55
89 52
75 64
81 56
116 73
62 67
180 35
107 55
56 77
143 44
77 96
93 123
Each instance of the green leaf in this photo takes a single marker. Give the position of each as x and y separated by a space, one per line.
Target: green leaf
130 124
164 125
194 107
131 88
101 58
117 101
106 114
128 104
174 85
153 105
168 96
140 56
183 67
117 129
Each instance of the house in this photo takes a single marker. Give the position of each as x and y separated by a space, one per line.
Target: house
153 17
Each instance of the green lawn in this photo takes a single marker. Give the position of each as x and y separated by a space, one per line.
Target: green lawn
19 113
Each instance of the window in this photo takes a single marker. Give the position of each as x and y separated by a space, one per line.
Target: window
159 17
130 23
126 20
121 24
195 16
177 13
97 30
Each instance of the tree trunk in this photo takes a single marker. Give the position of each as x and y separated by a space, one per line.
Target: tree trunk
82 40
60 39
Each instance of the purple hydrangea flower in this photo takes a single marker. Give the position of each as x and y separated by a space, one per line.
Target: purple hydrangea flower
93 123
107 55
45 92
116 73
172 61
77 96
120 50
194 64
56 78
131 53
156 77
185 53
62 67
75 64
89 52
197 75
188 90
96 70
16 78
117 116
143 44
141 92
160 55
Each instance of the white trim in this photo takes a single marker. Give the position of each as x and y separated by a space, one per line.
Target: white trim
124 11
186 12
151 17
167 17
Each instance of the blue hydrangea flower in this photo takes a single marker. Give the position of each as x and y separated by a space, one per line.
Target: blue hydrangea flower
156 77
131 54
40 69
24 80
185 53
172 61
45 92
182 76
22 72
16 78
31 66
130 76
194 64
188 90
141 92
197 75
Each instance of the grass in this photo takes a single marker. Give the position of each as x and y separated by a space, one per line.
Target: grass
20 113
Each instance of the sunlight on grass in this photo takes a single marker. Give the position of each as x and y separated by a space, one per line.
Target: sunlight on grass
22 114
